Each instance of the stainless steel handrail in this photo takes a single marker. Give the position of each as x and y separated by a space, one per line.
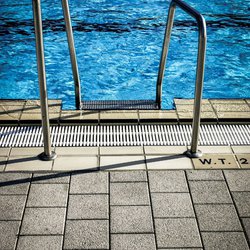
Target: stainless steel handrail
193 152
72 52
48 154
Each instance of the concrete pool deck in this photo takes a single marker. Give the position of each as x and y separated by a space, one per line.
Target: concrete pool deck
140 197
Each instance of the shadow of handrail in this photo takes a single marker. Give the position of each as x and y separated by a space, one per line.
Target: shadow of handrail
76 172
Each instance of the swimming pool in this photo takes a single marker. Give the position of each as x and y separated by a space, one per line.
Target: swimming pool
118 46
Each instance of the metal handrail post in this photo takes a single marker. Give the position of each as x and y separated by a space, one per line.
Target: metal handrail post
48 154
193 152
72 52
164 54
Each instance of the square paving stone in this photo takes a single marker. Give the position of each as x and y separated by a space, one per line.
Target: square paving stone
164 150
4 151
135 150
27 163
205 175
48 195
241 149
168 162
131 219
3 161
26 151
167 181
14 183
215 149
129 193
217 218
51 178
177 233
69 151
88 207
242 201
215 161
64 163
238 180
39 221
210 192
172 205
39 242
122 162
128 176
243 160
87 183
8 234
133 241
246 224
12 207
224 240
87 234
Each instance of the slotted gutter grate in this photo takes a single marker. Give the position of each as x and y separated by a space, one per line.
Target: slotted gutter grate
124 135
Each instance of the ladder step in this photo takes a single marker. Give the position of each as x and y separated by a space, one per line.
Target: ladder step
120 105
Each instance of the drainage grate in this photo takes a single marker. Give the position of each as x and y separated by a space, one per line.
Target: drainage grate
124 135
121 105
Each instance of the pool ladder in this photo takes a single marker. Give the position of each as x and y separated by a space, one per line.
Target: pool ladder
128 104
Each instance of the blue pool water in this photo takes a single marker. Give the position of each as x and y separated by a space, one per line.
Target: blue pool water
118 45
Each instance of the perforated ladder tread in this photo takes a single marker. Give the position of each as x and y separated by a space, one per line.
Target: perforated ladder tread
120 105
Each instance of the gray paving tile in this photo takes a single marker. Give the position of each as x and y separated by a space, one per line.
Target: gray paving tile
128 176
48 195
241 149
12 207
167 181
8 234
204 175
131 219
133 241
167 162
26 151
3 161
172 205
243 160
68 163
87 234
14 183
242 200
215 149
39 242
51 178
88 207
27 163
215 161
38 221
181 248
217 218
129 193
85 183
4 151
224 240
122 162
158 150
238 180
246 225
177 232
210 192
122 150
76 151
